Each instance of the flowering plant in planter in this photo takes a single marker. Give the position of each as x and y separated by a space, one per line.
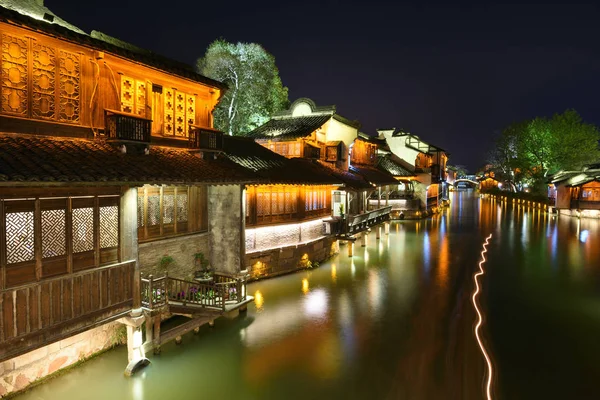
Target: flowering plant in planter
204 272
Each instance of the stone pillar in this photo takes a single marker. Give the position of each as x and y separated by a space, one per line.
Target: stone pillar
226 227
363 239
135 346
129 241
387 228
387 196
378 232
379 197
350 248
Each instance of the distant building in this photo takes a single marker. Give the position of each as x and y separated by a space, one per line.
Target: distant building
427 161
577 193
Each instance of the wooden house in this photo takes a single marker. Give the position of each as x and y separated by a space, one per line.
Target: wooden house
577 193
103 172
427 161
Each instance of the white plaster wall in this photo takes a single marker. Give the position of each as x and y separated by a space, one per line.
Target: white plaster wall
339 131
276 236
398 146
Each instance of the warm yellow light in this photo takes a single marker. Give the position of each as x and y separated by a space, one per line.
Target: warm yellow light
258 300
305 286
333 273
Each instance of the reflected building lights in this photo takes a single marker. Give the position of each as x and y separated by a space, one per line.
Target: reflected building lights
333 273
258 300
315 304
305 287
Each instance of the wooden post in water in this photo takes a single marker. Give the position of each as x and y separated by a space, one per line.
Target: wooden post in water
350 248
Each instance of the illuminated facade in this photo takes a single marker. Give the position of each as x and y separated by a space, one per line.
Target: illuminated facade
101 175
428 162
577 193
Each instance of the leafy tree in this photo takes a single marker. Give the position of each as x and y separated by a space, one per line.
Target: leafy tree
255 88
532 149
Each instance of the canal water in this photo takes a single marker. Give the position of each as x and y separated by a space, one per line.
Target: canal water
396 321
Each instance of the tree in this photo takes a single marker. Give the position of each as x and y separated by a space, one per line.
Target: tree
255 88
534 148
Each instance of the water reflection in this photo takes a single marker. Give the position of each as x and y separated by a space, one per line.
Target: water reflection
396 321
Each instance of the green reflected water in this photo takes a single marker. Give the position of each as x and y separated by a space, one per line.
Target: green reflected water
395 321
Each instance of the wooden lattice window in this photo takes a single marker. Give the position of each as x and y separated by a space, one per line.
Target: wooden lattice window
169 210
15 95
43 237
39 81
276 200
179 112
133 96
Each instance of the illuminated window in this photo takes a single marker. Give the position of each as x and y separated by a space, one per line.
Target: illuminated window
165 211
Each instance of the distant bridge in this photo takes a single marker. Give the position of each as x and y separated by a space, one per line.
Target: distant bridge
472 182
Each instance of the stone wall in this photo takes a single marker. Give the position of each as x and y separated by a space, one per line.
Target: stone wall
19 372
181 248
282 260
226 228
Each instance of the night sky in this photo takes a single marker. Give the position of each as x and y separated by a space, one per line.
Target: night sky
453 75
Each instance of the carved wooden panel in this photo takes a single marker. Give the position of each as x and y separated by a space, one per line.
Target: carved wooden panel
83 229
140 98
109 226
168 208
70 87
44 82
182 207
180 120
190 112
169 114
140 209
153 217
127 94
53 233
14 75
19 237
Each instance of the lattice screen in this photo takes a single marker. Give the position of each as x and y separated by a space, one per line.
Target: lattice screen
19 237
83 229
70 92
153 210
109 226
182 207
54 242
180 121
140 98
190 112
44 82
14 75
168 208
140 210
127 94
169 116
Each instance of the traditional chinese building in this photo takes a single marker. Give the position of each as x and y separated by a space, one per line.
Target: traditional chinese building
427 161
103 175
577 193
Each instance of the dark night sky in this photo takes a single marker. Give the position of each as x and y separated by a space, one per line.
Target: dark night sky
454 75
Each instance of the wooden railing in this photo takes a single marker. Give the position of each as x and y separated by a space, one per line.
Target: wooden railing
205 139
39 313
360 222
222 291
124 126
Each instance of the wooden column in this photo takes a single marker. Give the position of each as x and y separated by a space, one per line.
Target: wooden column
378 198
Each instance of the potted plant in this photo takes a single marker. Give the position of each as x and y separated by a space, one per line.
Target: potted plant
203 273
166 261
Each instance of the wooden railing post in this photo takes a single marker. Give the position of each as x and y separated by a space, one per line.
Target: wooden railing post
150 293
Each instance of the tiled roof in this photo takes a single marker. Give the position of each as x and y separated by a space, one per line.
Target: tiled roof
373 175
577 178
350 180
394 165
273 167
129 52
27 158
289 128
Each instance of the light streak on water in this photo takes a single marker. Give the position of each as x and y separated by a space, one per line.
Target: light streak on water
480 319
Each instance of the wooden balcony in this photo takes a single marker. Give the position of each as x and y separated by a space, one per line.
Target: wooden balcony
361 222
40 313
222 294
205 139
127 127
